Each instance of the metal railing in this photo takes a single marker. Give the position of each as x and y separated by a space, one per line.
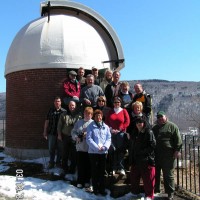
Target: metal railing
188 166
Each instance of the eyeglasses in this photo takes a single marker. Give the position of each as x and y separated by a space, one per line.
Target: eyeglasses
117 102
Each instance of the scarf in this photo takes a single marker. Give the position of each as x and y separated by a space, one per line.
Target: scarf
124 92
99 124
117 110
136 115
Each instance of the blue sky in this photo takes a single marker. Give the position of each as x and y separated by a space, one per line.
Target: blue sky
160 38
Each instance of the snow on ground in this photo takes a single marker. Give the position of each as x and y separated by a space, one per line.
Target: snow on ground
38 189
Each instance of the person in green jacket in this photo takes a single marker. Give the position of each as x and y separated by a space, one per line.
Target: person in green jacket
168 145
65 125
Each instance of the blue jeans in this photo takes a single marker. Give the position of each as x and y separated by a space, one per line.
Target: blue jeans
118 154
55 149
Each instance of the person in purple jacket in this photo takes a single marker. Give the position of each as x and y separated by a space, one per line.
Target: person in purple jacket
98 139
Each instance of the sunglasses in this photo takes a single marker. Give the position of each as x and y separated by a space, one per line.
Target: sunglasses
94 69
101 101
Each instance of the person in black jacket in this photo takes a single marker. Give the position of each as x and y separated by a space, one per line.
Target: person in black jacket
125 95
113 88
142 158
50 133
144 98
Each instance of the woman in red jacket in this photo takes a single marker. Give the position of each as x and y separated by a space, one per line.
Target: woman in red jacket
118 120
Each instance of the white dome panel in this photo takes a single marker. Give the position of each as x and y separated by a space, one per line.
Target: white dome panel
64 42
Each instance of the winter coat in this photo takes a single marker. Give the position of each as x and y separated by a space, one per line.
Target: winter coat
146 100
98 136
168 140
142 146
79 129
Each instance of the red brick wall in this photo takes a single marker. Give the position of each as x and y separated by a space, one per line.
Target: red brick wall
29 95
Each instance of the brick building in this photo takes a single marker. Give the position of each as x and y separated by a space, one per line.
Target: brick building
68 35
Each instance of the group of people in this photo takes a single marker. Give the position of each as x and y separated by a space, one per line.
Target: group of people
103 120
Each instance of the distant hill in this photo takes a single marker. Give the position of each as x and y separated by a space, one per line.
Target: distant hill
179 99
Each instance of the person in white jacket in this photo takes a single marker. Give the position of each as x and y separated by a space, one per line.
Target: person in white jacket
79 135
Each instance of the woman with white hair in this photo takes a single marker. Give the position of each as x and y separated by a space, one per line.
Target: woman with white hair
137 112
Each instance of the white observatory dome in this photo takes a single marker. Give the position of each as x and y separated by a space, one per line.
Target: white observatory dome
68 35
66 42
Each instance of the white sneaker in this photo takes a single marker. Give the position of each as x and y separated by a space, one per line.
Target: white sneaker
89 189
114 172
79 185
122 172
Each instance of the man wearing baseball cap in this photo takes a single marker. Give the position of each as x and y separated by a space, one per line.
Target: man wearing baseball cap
72 88
95 73
168 145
